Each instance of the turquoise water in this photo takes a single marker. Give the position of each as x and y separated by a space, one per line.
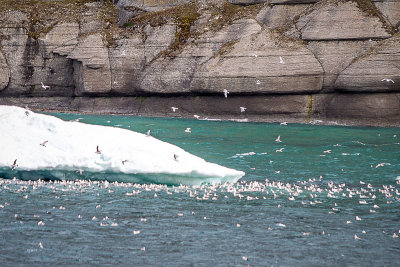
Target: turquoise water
331 197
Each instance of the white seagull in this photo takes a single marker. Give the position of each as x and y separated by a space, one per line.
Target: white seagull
278 139
226 93
45 87
280 150
188 130
196 116
281 60
387 80
258 82
148 133
283 123
174 109
242 109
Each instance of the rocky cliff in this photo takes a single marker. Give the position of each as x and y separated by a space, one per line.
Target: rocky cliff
295 60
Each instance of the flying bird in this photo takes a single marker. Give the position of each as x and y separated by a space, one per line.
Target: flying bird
242 109
281 60
226 93
14 165
174 109
45 87
387 80
278 139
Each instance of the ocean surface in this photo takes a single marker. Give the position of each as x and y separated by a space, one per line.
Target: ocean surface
322 196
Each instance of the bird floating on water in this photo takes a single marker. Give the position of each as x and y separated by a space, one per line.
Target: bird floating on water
188 130
14 165
174 109
45 87
387 80
242 109
280 150
226 93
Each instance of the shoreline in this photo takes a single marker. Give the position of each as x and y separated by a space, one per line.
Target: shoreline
263 109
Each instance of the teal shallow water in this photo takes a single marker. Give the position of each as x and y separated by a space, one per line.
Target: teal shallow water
331 197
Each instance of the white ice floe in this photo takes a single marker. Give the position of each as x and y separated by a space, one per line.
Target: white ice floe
76 150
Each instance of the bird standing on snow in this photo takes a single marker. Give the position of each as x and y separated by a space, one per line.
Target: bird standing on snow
176 157
44 143
98 151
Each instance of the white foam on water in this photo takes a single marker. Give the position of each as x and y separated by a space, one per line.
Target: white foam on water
71 148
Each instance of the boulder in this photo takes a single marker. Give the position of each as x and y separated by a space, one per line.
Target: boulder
251 2
149 5
341 20
377 70
391 11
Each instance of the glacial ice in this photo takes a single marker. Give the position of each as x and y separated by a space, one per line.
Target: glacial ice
46 147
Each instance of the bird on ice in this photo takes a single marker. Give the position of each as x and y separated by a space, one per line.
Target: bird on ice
226 93
278 139
98 151
242 109
45 87
176 157
14 165
387 80
148 133
283 123
281 60
44 143
174 109
124 161
188 130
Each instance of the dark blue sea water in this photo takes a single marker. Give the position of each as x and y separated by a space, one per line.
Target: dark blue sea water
330 198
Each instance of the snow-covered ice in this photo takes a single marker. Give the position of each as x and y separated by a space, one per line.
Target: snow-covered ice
46 147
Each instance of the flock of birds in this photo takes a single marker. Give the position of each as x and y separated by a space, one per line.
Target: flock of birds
333 198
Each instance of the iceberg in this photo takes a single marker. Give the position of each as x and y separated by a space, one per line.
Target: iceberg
38 146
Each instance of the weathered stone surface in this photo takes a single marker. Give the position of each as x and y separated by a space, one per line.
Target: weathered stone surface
61 40
150 5
4 72
390 10
91 66
363 105
174 74
335 56
339 20
378 70
260 63
251 2
277 15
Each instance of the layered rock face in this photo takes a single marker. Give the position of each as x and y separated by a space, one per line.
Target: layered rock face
328 59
